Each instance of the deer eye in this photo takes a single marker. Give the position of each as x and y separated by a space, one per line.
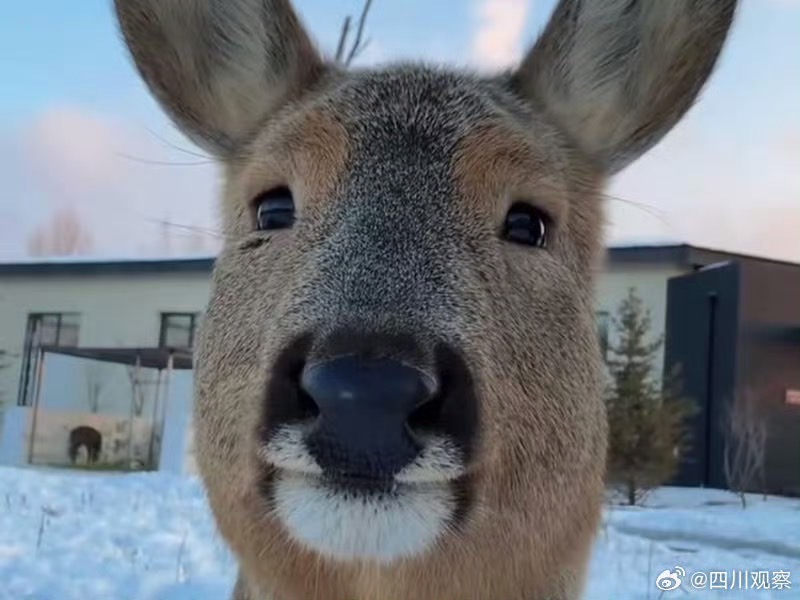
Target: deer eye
526 225
274 209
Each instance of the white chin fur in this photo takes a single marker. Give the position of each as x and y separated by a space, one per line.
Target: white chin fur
354 526
438 462
348 526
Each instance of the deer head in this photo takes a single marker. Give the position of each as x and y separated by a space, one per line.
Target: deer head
397 381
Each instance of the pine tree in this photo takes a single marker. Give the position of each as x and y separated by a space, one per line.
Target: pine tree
3 365
647 430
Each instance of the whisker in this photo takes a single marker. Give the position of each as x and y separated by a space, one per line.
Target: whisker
193 228
648 208
176 146
165 163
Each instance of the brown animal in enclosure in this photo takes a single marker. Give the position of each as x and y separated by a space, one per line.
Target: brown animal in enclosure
90 439
398 379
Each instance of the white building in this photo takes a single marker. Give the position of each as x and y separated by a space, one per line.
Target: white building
150 304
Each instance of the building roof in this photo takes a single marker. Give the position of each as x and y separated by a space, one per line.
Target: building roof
676 254
72 265
148 358
682 255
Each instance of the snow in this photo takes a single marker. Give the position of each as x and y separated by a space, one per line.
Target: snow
150 536
147 536
700 530
716 265
645 242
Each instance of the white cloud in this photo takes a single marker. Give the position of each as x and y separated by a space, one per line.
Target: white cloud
72 147
736 188
497 43
120 179
786 3
729 191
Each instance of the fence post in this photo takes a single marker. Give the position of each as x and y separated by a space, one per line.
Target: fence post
36 396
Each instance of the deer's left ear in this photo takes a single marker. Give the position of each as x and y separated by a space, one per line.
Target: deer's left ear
617 75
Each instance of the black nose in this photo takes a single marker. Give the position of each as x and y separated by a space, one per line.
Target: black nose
365 405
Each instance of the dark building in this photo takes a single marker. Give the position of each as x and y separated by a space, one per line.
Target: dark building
733 328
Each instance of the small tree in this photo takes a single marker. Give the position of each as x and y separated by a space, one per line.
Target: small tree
3 365
94 385
63 234
745 445
647 420
139 396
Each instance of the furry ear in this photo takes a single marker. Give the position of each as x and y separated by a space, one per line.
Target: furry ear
219 67
617 75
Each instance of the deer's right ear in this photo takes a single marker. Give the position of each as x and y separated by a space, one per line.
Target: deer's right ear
219 67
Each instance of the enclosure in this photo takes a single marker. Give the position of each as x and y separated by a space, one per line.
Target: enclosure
105 409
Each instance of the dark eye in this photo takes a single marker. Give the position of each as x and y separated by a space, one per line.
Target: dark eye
274 209
526 225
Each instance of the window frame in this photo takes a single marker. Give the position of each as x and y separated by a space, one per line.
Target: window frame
163 328
32 347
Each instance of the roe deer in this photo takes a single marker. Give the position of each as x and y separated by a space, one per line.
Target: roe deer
90 439
398 376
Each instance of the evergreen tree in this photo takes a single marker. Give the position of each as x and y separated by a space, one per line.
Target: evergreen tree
647 431
3 364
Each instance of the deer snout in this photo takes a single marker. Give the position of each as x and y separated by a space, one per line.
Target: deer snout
367 412
368 439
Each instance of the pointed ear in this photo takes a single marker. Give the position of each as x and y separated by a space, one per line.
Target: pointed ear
219 67
617 75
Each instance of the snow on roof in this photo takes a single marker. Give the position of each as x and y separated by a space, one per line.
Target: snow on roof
645 242
716 265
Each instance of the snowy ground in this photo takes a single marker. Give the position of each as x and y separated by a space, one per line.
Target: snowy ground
150 537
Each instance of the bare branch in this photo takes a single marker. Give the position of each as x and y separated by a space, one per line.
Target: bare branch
362 48
357 47
343 39
343 55
745 445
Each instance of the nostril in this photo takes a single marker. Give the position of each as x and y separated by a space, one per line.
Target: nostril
434 413
308 408
427 416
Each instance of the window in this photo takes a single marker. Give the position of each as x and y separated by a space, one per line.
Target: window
44 329
603 320
178 330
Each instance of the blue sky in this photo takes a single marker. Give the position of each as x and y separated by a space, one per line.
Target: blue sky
74 119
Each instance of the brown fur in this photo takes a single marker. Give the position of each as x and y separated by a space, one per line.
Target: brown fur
308 153
401 179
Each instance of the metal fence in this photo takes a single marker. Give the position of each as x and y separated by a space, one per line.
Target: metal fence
101 409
